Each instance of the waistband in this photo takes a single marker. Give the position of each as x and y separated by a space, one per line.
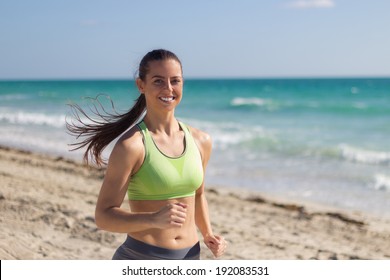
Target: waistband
140 250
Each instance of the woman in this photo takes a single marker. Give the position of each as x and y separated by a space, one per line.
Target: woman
160 164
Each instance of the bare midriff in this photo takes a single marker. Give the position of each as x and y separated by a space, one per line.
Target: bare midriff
171 238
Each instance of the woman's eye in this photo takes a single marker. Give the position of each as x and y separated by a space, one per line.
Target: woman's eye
176 81
158 82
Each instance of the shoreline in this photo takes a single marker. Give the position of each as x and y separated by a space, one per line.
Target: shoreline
47 206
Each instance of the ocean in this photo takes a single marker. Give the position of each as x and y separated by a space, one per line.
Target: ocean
319 140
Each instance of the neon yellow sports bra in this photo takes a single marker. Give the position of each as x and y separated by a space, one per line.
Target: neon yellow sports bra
162 177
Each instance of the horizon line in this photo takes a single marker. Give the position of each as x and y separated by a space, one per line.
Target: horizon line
41 79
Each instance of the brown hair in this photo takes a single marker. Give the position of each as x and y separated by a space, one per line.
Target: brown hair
99 134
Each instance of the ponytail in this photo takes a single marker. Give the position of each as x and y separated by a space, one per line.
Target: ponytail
100 133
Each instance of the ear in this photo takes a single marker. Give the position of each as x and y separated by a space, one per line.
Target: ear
140 85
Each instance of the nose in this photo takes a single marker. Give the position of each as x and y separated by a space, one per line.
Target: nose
168 86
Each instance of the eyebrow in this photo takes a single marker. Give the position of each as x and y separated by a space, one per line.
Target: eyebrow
158 76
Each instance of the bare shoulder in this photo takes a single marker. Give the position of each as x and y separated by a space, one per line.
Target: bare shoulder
203 140
129 149
131 140
200 136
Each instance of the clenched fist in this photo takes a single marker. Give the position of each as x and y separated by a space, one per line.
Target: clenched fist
170 216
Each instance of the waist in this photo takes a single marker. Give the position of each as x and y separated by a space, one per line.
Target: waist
173 238
155 252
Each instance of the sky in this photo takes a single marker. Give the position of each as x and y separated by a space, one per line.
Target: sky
105 39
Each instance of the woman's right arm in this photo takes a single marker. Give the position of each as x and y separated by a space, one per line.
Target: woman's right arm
109 216
126 158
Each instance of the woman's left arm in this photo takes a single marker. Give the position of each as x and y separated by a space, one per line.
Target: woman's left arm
215 243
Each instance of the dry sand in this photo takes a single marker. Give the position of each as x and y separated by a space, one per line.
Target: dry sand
47 212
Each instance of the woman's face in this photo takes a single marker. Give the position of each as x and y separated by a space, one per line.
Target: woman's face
163 85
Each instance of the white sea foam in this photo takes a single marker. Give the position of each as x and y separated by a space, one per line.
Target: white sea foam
252 101
227 134
382 182
25 118
48 141
364 156
37 140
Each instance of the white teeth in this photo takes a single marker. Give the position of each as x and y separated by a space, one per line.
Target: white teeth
166 99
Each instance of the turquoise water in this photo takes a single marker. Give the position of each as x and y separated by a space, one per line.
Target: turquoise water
323 140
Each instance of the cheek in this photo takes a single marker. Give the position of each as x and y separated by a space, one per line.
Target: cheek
154 88
179 98
178 89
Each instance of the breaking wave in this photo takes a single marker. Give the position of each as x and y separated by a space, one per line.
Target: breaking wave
25 118
364 156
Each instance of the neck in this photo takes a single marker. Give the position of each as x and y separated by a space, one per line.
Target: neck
161 122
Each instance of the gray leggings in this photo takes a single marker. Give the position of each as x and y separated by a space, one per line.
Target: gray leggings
133 249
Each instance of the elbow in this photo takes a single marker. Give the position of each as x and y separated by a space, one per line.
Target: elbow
99 220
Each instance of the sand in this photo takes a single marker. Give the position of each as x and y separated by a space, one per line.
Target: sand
47 212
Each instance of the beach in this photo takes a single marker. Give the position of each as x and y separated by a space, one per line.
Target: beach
47 212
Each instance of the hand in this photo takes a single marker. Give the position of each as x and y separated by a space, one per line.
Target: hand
217 244
170 216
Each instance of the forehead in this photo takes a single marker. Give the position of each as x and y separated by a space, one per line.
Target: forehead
165 68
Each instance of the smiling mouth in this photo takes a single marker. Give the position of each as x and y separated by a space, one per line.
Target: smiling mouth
167 99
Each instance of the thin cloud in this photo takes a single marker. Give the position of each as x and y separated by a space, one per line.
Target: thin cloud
307 4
